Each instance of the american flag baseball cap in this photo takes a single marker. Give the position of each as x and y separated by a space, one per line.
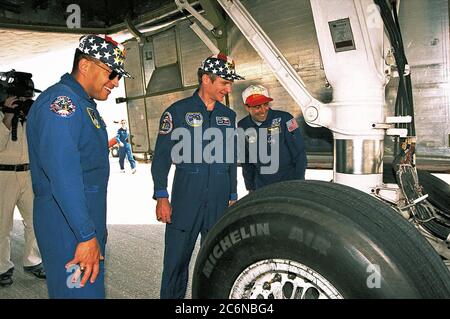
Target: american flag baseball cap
221 65
105 49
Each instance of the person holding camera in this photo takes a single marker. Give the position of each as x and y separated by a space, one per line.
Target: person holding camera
15 179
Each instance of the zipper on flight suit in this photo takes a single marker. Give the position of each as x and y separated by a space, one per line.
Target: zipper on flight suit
209 166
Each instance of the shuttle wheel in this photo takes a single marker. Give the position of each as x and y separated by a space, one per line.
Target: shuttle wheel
313 239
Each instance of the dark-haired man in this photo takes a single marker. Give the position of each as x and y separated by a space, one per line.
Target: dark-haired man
205 183
68 147
281 136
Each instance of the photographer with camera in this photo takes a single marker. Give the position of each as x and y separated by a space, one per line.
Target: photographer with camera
16 92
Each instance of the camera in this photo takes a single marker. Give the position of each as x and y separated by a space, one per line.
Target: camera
19 84
14 83
21 110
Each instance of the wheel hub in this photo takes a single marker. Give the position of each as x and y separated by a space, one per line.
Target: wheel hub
282 279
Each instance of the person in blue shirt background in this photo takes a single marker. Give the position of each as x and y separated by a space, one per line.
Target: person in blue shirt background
68 149
202 189
125 148
278 127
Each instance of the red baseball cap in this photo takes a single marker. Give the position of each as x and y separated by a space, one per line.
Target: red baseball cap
256 95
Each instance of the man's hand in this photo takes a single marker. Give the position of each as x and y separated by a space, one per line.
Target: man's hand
10 102
121 144
231 202
163 210
88 256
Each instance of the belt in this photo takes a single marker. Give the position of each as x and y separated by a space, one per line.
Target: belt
15 168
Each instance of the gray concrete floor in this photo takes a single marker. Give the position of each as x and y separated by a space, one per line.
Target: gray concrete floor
133 264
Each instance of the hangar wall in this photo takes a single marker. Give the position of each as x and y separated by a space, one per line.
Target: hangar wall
171 57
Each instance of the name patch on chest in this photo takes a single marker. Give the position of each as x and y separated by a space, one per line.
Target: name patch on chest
276 122
194 119
223 120
93 117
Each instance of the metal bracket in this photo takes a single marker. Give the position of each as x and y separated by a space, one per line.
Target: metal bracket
134 31
389 125
184 4
316 113
402 132
207 41
399 119
390 194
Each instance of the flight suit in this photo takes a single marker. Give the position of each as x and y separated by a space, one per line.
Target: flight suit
15 190
292 153
122 136
201 187
68 149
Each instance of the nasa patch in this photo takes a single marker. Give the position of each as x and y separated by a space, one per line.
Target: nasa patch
276 122
166 123
63 106
223 120
194 119
93 117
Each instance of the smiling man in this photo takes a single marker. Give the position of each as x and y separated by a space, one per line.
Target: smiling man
202 188
277 132
68 149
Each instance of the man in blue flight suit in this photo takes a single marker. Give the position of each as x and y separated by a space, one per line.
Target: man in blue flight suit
125 148
68 148
275 127
203 185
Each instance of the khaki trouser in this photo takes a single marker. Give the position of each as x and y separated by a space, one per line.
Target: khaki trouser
16 190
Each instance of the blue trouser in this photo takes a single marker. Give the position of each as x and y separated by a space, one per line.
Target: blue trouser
126 150
179 245
194 212
57 245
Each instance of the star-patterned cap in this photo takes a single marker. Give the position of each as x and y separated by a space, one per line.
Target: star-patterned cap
105 49
256 95
221 65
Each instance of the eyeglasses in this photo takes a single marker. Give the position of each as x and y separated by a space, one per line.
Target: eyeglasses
112 75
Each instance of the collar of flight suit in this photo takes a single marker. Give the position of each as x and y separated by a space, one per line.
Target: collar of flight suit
199 102
69 80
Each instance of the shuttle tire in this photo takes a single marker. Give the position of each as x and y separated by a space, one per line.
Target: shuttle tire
276 241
